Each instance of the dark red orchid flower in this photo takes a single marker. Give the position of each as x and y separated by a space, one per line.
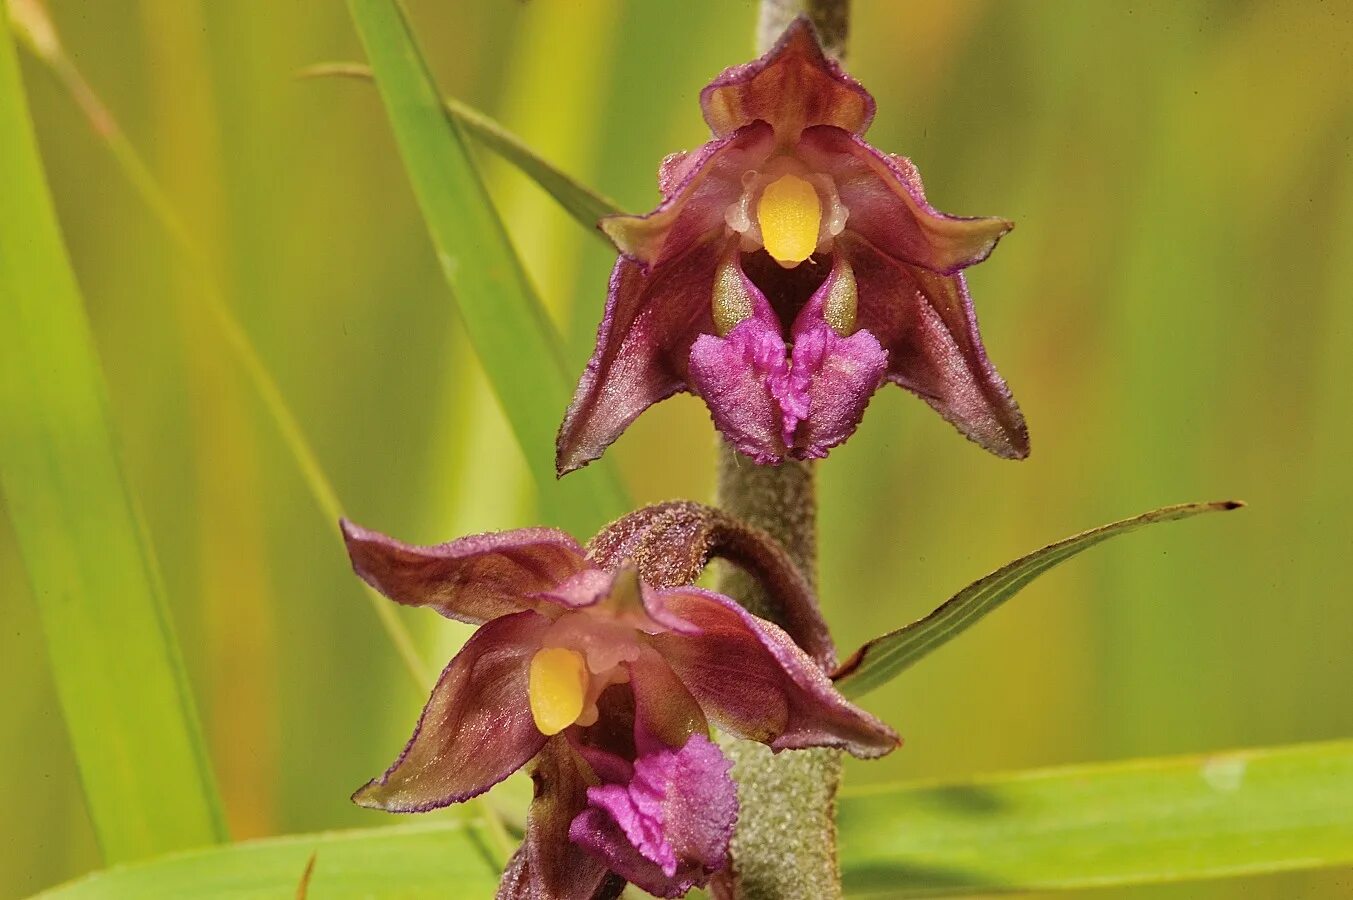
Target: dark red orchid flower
605 666
789 271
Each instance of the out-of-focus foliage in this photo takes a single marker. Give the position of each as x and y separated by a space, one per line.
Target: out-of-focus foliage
90 565
1162 820
1171 312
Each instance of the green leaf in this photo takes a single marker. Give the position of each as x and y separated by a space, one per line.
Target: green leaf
578 200
505 321
1174 819
34 29
884 658
118 673
406 861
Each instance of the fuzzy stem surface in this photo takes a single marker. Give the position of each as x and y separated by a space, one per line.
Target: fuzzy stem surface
785 844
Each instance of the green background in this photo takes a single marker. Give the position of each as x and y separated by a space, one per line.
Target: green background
1173 313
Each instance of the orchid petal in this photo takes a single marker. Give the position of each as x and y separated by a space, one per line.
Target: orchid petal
667 829
473 579
652 317
665 712
476 728
548 866
697 188
753 681
927 324
888 206
793 86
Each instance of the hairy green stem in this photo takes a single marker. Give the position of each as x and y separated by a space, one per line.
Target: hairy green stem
785 844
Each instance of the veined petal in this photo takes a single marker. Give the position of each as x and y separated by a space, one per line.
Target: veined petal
888 206
476 728
668 827
652 317
744 380
793 86
549 866
927 324
753 681
473 579
665 712
697 188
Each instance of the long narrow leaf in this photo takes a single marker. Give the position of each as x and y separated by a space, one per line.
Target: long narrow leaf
432 861
576 199
118 673
1122 823
33 27
512 335
884 658
1174 819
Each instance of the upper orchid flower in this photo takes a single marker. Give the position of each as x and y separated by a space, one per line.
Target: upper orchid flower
606 666
790 269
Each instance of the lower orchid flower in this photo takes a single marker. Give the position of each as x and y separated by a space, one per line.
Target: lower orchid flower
606 667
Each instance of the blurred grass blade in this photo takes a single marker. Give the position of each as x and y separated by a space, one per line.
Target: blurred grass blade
884 658
578 200
431 861
119 676
1122 823
513 337
33 26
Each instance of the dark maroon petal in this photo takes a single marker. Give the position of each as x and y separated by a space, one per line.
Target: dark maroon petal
549 866
652 317
667 828
473 579
927 324
791 87
887 204
754 682
697 188
744 380
476 728
665 712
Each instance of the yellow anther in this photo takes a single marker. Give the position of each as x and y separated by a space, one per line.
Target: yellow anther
557 686
790 214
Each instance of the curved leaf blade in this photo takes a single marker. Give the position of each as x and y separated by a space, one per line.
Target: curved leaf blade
884 658
513 337
581 202
116 663
1122 823
429 861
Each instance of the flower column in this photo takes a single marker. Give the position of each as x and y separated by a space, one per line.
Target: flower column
785 842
